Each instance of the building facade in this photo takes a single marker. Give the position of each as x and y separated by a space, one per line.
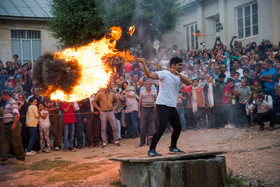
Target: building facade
24 30
249 20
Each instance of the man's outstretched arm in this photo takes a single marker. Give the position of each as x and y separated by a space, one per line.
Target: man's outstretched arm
146 69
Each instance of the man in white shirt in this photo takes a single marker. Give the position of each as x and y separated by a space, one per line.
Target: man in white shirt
169 85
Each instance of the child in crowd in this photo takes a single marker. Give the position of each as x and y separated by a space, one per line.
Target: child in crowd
44 128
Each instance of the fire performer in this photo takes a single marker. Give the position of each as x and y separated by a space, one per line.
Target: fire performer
169 85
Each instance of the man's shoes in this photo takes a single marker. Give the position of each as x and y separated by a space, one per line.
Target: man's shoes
30 153
56 148
153 153
103 145
117 143
175 150
261 128
4 162
47 151
271 128
72 149
141 145
20 161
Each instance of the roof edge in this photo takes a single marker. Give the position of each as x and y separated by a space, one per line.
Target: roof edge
25 18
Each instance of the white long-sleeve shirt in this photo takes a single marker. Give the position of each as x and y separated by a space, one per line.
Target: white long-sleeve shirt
264 106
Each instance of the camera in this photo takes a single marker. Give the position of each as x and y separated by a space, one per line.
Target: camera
260 96
202 43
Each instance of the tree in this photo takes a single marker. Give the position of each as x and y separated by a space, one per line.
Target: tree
78 22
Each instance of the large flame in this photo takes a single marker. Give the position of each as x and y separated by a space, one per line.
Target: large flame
95 73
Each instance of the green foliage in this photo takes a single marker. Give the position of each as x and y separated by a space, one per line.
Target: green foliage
233 181
78 22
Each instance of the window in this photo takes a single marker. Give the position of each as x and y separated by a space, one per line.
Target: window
247 21
217 24
26 44
191 38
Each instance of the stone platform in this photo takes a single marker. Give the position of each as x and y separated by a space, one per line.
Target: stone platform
192 170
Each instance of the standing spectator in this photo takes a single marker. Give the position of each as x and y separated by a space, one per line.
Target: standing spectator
226 100
44 128
209 98
131 111
269 76
32 119
218 92
23 107
198 104
79 126
244 94
53 108
10 134
106 111
3 79
147 113
69 121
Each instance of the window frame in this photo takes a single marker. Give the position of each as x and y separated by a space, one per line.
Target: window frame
190 39
243 18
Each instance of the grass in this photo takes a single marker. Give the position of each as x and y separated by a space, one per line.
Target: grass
76 172
4 178
45 165
90 157
234 181
117 183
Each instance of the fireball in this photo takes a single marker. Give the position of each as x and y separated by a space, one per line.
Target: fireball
94 72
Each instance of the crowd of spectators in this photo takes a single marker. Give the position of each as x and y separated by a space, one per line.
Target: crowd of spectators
231 87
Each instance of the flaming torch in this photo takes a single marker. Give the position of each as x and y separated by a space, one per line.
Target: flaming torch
76 73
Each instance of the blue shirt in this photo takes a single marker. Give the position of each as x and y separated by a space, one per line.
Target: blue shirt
269 85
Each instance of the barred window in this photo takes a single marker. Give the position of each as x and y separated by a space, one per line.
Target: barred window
26 44
191 38
247 20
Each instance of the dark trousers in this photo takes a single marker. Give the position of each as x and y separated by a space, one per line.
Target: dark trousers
167 114
259 118
11 138
79 133
147 123
57 130
211 117
93 129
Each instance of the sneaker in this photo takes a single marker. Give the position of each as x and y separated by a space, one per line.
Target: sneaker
30 153
153 153
175 150
4 162
81 147
56 148
72 149
103 145
47 151
117 143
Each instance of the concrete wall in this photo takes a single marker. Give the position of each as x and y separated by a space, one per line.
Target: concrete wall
49 44
204 14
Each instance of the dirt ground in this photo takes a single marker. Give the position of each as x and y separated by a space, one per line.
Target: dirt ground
251 154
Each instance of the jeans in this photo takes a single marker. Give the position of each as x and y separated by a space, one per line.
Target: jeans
33 136
167 114
131 120
181 112
79 128
68 135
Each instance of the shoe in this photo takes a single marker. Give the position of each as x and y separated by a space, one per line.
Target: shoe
175 150
56 148
141 145
47 151
30 153
81 147
33 151
261 128
153 153
271 128
117 143
20 161
4 162
103 145
91 146
72 149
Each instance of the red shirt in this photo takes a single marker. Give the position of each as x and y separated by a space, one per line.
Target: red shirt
224 98
68 117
